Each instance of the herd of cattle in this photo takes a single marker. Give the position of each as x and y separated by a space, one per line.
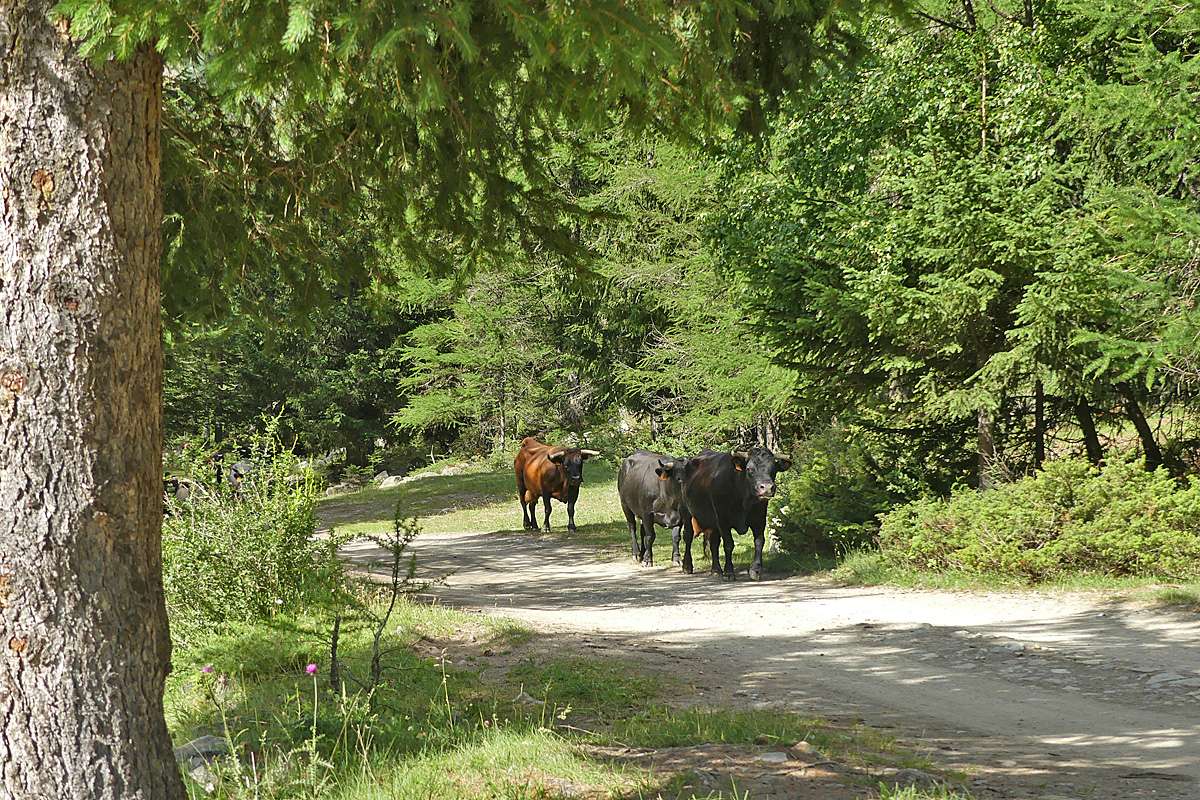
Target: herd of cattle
710 495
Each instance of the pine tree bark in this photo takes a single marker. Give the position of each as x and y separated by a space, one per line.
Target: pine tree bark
986 448
84 649
1039 424
1133 410
1087 424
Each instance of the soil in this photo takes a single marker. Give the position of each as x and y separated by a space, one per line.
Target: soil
1030 695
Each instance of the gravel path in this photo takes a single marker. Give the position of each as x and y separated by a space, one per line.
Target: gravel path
1043 696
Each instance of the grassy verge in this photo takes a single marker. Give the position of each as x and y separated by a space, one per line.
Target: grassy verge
431 729
871 568
436 729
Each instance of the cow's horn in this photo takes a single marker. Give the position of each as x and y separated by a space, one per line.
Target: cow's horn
742 454
667 465
590 452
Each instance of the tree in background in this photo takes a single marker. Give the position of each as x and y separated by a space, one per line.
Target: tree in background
945 239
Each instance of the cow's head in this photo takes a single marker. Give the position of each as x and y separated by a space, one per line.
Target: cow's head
668 500
760 466
571 460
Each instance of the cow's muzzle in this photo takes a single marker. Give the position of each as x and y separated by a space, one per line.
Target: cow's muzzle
765 491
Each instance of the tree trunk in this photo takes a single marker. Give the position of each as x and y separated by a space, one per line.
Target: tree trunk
1154 456
84 650
986 448
1087 424
1039 425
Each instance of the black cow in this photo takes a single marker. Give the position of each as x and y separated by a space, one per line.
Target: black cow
727 492
650 491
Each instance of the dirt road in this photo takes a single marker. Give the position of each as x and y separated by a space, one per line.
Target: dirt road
1033 695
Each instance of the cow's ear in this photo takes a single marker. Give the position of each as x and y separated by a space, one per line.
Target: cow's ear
739 460
557 457
783 464
588 453
663 470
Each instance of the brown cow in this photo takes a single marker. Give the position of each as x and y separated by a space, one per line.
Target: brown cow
548 471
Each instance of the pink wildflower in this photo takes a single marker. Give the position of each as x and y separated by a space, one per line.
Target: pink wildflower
207 669
311 669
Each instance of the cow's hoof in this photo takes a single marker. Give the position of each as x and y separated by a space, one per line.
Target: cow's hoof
687 568
570 529
675 560
729 576
756 574
647 562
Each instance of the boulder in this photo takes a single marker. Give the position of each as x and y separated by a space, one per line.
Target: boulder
379 477
773 757
392 480
205 748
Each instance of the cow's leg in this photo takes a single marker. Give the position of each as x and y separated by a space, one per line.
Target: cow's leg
676 533
572 496
689 533
523 499
713 539
631 521
648 540
533 502
758 524
727 538
546 504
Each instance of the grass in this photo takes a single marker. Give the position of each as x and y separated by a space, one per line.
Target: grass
485 502
871 568
432 731
437 730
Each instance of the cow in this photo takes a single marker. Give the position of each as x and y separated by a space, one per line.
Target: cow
648 485
547 471
727 492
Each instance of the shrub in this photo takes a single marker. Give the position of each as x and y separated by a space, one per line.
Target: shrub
829 500
247 556
1070 517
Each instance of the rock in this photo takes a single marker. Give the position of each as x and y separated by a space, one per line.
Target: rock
773 757
1012 647
206 748
338 488
379 476
526 699
914 777
204 776
1164 677
563 788
804 749
390 481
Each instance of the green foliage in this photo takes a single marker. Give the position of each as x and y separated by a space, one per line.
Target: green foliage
317 142
245 557
1120 520
330 384
829 500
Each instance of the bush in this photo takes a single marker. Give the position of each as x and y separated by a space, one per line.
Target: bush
248 556
829 501
1070 517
